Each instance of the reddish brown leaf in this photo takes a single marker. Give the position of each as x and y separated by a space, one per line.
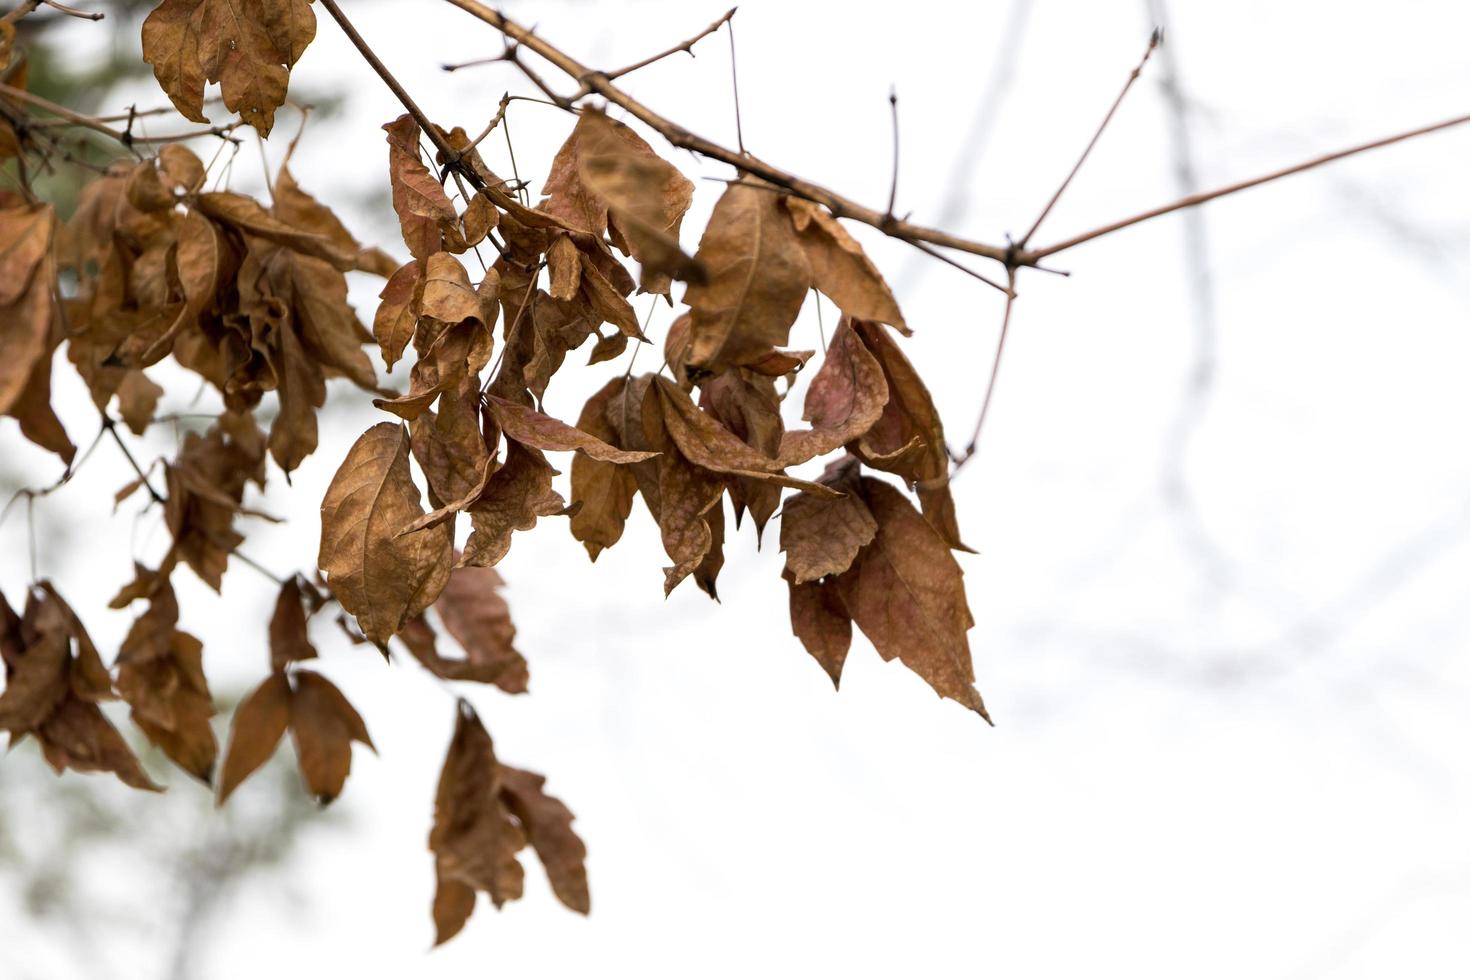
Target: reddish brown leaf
846 398
423 207
909 417
823 535
906 593
477 616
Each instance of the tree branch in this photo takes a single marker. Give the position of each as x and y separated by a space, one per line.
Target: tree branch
598 83
1033 256
450 154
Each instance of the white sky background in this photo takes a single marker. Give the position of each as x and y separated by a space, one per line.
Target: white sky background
1231 732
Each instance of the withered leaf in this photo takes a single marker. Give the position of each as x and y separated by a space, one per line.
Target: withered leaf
758 276
448 295
909 419
645 198
380 578
515 496
708 444
161 677
393 325
248 46
531 428
602 491
449 445
474 839
137 400
821 623
261 718
288 635
478 617
422 206
906 593
548 825
323 727
846 398
840 267
823 535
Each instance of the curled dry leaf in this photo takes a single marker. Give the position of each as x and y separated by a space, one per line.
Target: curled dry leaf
161 677
484 813
478 617
840 267
548 825
474 839
52 689
644 196
531 428
380 578
908 437
288 635
846 398
423 207
708 444
397 315
514 497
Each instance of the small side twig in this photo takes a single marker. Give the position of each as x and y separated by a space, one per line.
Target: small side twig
685 46
735 87
109 425
1000 349
893 112
93 15
1153 42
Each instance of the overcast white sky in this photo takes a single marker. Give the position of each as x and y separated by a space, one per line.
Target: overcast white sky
1231 722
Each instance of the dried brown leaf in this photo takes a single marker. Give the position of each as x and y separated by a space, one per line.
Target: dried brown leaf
380 578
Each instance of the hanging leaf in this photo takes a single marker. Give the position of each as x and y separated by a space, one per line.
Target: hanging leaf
380 578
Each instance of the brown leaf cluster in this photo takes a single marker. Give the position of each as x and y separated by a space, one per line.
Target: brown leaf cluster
54 680
323 724
484 814
252 299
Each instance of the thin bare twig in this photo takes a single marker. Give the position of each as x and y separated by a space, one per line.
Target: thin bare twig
122 136
893 111
1153 42
73 11
1000 349
1032 256
109 425
735 88
686 46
